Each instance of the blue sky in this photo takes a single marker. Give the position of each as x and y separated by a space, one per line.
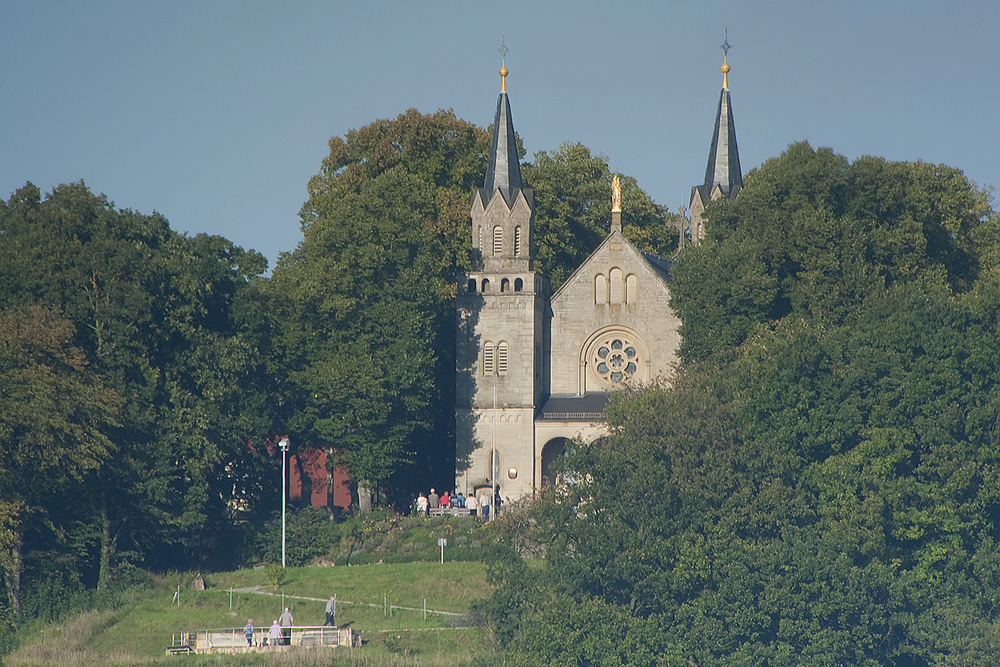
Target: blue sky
217 113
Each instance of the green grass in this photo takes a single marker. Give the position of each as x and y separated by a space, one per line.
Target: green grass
409 539
140 632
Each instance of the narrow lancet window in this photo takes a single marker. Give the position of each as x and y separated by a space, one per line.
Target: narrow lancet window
488 358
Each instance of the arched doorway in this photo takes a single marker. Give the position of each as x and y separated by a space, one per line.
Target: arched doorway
552 451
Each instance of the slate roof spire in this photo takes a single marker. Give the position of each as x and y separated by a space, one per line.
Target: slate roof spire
723 156
503 171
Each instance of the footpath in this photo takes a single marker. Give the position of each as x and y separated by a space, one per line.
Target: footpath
255 590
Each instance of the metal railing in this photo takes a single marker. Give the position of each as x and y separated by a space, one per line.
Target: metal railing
234 640
573 416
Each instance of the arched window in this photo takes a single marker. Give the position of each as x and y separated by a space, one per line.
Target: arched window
600 289
616 360
517 241
498 240
486 285
502 358
472 285
518 284
488 358
617 286
630 288
504 285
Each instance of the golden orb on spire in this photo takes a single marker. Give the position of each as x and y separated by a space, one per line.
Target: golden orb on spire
503 65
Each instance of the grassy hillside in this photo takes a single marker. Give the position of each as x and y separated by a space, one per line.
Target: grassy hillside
385 602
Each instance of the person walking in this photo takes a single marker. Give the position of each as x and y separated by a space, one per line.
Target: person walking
248 631
331 611
286 627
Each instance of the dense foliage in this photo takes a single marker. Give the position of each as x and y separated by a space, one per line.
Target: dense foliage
145 374
820 486
129 394
824 493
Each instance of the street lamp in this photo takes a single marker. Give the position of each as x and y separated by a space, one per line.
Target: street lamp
283 444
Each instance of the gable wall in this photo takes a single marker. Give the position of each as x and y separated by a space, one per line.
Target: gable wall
576 317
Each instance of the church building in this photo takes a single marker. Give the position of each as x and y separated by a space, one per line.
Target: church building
534 368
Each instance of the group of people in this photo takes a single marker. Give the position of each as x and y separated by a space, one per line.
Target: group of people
280 632
480 505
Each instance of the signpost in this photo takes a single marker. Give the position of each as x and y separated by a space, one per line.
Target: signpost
442 542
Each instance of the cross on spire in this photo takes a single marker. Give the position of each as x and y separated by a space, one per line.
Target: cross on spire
725 64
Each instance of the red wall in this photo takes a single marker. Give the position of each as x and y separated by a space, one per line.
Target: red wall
324 485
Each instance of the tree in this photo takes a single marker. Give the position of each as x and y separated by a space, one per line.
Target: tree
811 235
54 416
362 312
820 485
154 314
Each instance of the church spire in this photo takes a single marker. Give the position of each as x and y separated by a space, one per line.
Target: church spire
724 158
503 171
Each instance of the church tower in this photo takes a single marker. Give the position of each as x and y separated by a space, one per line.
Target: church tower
502 308
723 177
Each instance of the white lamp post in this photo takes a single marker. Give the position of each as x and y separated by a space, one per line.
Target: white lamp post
493 458
283 443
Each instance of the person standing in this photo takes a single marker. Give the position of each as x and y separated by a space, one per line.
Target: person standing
484 505
433 501
274 634
497 502
471 505
421 504
331 611
445 501
248 631
286 627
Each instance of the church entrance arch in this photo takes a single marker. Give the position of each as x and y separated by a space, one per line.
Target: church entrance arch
552 451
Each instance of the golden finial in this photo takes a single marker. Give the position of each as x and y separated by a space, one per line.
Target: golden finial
725 65
616 195
503 64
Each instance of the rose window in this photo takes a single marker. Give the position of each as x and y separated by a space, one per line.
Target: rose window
616 360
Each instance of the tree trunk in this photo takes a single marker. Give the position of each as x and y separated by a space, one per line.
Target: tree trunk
13 564
104 572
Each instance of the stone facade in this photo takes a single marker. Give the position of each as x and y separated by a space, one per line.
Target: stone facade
535 370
